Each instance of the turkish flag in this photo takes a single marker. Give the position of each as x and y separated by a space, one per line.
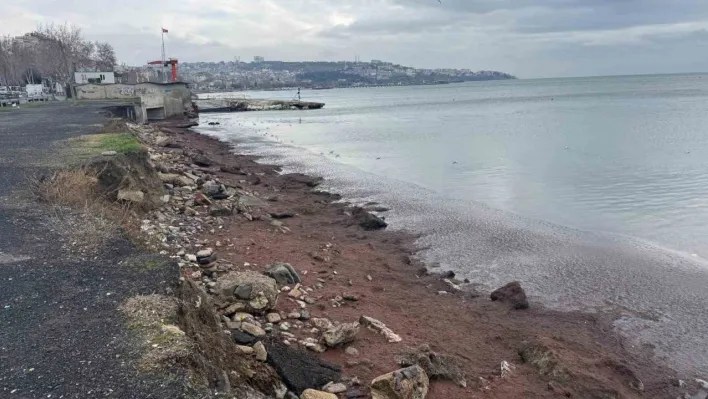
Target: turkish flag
164 30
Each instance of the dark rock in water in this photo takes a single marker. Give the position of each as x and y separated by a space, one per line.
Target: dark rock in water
283 274
368 221
232 170
299 369
282 215
513 294
201 160
309 181
187 125
242 338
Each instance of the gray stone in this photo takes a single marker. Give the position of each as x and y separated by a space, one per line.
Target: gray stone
299 369
335 388
273 317
260 350
109 153
220 211
283 273
244 350
312 394
408 383
135 196
243 291
211 188
351 351
264 290
512 294
341 334
252 329
208 260
205 253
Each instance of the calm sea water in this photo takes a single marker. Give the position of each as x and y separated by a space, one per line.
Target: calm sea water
591 191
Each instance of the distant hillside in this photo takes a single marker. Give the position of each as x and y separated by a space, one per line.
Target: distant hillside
321 74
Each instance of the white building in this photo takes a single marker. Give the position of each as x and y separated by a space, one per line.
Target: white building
94 77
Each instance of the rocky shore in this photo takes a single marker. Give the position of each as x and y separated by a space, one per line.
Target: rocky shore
332 305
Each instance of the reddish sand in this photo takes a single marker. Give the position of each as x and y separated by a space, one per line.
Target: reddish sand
593 360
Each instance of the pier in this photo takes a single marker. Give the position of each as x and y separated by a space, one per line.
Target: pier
243 105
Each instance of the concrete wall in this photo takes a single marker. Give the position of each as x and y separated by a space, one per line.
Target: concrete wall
158 101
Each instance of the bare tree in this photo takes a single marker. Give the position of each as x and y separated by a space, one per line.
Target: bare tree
105 57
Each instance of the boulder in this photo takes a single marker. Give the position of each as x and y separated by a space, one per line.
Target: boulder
163 141
341 334
211 188
300 178
512 294
232 170
201 160
408 383
134 196
380 327
367 220
283 273
312 394
262 290
300 369
242 338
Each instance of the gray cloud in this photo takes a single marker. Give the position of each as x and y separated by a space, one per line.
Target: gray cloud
528 38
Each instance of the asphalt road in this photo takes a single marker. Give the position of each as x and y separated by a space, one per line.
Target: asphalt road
60 333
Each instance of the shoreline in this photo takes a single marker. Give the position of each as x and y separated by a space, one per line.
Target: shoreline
470 327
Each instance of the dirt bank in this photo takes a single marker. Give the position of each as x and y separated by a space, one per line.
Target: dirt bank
348 272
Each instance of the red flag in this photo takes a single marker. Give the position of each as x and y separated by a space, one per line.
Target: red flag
164 30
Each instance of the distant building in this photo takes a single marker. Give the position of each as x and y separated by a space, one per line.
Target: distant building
258 58
376 62
94 77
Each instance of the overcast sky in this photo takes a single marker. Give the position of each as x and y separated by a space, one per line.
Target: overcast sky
528 38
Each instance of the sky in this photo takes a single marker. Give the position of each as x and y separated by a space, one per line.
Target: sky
527 38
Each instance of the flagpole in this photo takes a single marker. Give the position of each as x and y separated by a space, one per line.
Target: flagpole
164 74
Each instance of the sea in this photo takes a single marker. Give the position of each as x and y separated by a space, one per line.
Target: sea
592 192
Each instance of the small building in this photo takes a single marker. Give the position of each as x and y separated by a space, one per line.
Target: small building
258 59
94 77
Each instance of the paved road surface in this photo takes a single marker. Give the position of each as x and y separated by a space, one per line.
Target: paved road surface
60 333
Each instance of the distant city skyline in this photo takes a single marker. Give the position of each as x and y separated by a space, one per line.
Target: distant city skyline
531 38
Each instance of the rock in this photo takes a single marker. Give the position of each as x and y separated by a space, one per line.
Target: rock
351 351
109 153
273 317
191 257
243 291
341 334
163 141
244 350
283 273
242 338
232 170
437 366
335 388
312 394
211 188
252 329
208 260
220 196
205 253
407 383
165 198
260 351
201 199
135 196
300 369
300 178
282 215
513 294
264 290
376 325
702 383
367 220
201 160
241 317
219 210
322 323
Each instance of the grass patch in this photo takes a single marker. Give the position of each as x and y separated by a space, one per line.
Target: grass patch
80 149
120 142
152 317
